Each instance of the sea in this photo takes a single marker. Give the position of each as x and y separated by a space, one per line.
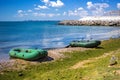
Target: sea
47 35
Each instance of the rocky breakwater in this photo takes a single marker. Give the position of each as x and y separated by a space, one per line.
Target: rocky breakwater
94 21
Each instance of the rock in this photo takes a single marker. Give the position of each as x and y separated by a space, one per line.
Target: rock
113 61
95 21
20 74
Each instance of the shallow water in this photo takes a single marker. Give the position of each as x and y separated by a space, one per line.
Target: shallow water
47 34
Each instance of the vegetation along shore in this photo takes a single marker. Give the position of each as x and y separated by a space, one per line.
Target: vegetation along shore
94 21
68 64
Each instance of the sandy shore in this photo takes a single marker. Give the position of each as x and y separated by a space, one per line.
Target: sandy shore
53 54
57 53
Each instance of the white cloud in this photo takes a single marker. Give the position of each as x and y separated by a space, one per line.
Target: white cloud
29 10
64 13
58 14
89 5
40 7
43 7
51 15
21 13
56 9
78 12
37 8
80 8
118 5
57 3
36 14
45 1
97 8
39 14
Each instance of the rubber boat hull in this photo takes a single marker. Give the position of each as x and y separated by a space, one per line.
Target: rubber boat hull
87 44
28 54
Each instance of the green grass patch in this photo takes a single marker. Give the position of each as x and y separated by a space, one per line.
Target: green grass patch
59 70
100 69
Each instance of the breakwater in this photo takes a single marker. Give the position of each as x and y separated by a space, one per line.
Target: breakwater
94 21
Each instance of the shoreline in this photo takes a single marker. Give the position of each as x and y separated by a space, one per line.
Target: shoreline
53 55
94 21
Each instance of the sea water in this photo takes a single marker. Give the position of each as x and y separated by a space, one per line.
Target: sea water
48 34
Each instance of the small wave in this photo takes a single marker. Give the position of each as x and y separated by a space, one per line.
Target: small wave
107 35
42 42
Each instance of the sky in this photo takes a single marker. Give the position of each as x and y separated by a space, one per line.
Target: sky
20 10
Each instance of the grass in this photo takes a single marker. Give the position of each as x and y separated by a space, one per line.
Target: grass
60 69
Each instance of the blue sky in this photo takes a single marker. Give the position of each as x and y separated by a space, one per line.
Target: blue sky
18 10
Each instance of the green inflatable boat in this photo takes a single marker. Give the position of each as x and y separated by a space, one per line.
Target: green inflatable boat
28 54
87 44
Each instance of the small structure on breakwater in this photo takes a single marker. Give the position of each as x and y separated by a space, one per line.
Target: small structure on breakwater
94 21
